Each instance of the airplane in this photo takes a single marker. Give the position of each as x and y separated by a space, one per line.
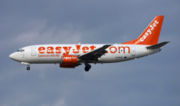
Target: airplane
73 55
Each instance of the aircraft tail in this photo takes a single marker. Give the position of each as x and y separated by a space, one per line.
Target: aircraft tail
150 36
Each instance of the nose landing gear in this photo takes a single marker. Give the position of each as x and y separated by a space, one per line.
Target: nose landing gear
87 67
28 67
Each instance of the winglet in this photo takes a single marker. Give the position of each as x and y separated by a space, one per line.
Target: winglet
150 36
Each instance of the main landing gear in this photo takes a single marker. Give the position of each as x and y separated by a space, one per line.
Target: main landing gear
87 67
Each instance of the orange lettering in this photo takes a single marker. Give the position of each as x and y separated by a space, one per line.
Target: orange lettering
92 47
58 50
113 49
85 49
41 50
67 50
78 49
121 48
50 50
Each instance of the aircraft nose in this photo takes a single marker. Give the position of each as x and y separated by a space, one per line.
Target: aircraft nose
13 56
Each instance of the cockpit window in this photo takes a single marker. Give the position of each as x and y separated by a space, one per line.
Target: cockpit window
20 50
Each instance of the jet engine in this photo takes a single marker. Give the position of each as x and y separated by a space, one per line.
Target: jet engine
69 61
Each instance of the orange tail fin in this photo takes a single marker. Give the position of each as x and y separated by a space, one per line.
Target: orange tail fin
150 36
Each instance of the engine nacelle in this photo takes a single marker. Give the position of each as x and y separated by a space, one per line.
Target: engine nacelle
69 61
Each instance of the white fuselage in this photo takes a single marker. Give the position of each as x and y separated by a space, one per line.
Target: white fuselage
52 53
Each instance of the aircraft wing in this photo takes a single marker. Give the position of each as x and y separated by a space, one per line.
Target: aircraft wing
94 55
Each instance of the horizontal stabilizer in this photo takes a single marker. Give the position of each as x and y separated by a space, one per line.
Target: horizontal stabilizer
159 45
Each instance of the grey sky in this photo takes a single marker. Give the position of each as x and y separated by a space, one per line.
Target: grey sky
149 81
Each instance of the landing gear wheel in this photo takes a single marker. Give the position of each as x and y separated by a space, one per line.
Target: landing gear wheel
87 67
28 68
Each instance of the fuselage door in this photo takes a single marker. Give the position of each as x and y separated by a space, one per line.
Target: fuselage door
133 51
33 51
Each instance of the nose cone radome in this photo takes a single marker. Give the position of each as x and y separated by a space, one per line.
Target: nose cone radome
11 55
14 56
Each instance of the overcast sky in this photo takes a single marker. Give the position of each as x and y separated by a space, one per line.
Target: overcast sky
149 81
